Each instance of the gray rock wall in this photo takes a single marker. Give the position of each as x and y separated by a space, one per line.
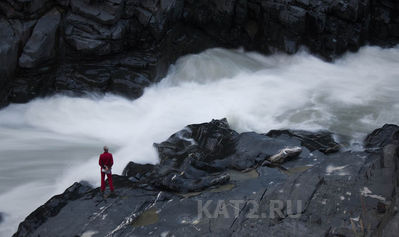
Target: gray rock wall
121 46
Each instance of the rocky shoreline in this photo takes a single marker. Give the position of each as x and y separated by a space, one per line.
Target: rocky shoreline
122 46
214 181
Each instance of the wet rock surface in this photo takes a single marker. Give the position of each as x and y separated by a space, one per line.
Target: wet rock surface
75 47
222 186
41 45
381 137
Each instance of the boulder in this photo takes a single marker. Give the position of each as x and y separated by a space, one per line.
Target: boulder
186 157
381 137
41 46
137 171
214 140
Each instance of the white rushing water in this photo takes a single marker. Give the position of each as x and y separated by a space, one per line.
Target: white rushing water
48 144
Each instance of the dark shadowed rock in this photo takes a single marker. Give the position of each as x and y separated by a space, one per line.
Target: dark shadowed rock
94 31
90 37
23 30
137 171
23 9
8 51
380 137
1 217
212 141
104 12
41 46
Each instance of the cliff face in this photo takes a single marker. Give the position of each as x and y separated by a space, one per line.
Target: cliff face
121 46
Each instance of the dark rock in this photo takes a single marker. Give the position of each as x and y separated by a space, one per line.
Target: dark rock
293 18
381 137
128 84
1 217
41 46
137 171
90 37
64 3
23 30
336 195
103 12
214 140
8 51
186 157
252 149
51 208
322 141
168 29
31 9
198 156
90 205
345 9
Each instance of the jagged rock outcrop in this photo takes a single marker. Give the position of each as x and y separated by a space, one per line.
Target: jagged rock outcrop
381 137
344 193
85 50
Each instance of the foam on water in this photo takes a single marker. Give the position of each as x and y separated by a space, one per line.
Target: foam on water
48 144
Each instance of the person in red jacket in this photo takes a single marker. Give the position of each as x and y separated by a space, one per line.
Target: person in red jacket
106 161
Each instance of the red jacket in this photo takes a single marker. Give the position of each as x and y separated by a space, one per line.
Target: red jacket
106 159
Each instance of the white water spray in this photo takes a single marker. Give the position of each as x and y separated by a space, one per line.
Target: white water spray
48 144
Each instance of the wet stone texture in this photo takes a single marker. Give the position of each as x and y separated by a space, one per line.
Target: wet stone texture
213 181
121 46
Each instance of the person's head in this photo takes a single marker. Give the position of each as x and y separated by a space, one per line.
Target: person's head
105 149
